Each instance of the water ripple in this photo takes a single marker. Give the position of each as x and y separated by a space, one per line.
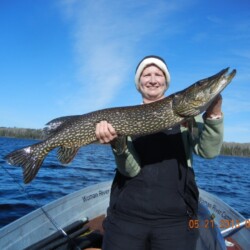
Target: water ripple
227 177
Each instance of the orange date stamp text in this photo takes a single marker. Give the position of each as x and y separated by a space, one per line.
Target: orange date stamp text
210 223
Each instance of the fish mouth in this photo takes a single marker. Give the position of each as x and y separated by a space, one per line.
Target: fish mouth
207 89
196 98
218 82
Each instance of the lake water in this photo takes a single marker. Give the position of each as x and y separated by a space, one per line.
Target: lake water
224 176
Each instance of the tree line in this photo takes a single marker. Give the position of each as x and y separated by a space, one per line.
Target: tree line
25 133
228 148
235 149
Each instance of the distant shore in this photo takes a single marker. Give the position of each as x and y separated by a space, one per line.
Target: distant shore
22 133
228 148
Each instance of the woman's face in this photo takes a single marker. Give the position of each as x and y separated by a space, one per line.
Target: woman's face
152 84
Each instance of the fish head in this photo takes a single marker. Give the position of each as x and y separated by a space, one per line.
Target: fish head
197 98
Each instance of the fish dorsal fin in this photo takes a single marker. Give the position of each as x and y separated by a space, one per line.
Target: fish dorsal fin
66 155
54 125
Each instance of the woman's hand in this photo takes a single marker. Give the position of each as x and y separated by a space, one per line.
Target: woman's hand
214 110
105 133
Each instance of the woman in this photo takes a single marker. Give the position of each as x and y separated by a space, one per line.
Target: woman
154 193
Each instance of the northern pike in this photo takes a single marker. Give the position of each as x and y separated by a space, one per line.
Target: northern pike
70 133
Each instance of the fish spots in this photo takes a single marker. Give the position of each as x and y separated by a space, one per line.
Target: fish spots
139 123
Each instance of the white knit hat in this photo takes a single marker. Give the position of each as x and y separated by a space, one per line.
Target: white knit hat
148 60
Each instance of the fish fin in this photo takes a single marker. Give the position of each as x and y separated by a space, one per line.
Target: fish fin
52 126
120 144
24 157
66 155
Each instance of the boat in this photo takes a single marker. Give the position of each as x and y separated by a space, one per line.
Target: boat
75 222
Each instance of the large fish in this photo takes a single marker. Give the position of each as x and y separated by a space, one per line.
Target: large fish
71 132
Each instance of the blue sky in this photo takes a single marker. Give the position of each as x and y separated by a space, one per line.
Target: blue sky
66 57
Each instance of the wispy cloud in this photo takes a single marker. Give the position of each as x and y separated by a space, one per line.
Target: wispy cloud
106 35
238 104
244 53
237 132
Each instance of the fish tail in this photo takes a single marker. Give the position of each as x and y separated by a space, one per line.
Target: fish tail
29 158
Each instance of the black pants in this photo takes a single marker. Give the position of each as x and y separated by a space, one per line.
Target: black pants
124 235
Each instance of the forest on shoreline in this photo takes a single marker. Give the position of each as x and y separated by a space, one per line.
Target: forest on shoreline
228 148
